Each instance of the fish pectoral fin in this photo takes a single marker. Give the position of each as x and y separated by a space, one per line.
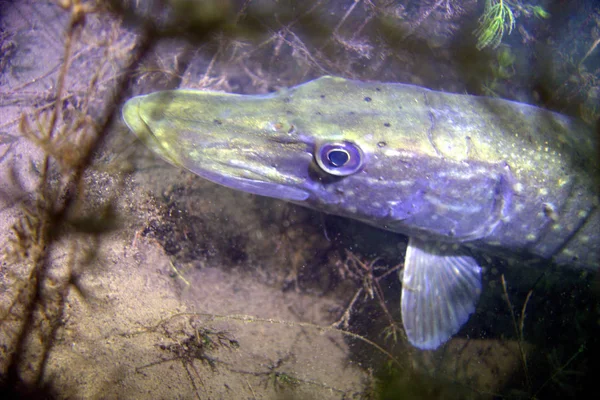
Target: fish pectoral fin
441 284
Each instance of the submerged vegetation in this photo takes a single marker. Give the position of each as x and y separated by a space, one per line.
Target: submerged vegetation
90 212
498 19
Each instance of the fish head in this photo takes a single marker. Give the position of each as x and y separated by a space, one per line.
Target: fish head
282 145
331 144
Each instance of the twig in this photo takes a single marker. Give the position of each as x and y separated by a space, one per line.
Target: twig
519 328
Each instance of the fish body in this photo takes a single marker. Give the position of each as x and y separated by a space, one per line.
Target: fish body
452 172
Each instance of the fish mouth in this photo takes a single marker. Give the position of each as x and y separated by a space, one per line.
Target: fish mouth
232 160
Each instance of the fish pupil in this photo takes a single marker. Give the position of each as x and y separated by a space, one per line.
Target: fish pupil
338 157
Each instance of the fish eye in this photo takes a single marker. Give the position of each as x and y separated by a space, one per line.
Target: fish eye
339 158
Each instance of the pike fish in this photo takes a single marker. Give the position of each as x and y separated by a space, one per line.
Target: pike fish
455 173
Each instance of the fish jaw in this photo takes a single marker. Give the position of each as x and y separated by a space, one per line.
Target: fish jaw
267 161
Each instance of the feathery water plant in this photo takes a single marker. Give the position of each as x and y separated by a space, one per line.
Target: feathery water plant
497 18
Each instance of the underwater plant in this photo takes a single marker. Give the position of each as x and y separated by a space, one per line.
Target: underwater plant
497 18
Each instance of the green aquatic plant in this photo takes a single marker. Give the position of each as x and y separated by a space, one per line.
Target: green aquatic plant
497 19
502 68
539 12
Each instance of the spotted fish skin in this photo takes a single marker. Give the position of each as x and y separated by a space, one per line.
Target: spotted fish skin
450 171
